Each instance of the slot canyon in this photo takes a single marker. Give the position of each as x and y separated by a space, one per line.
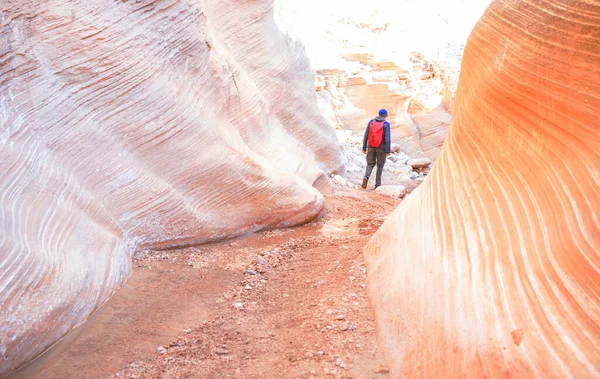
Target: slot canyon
182 193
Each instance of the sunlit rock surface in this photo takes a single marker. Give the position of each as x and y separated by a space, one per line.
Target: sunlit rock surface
141 124
491 267
400 55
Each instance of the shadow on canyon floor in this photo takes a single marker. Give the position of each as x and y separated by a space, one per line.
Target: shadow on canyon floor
281 303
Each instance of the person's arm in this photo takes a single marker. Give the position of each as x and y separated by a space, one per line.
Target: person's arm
366 138
388 138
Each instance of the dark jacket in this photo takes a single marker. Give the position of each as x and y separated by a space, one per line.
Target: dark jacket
387 140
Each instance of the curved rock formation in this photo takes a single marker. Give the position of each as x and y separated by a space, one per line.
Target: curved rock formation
140 125
491 267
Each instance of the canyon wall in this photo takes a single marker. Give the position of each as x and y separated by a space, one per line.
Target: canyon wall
491 267
400 55
148 124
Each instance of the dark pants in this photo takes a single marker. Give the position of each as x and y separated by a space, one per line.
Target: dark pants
375 157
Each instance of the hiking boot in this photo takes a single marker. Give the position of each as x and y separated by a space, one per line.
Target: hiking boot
364 183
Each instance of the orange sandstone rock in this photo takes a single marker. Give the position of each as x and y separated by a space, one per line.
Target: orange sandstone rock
491 267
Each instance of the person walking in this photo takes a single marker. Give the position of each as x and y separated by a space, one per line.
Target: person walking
378 141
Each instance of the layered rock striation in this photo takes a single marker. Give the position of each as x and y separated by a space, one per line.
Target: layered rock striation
491 267
141 125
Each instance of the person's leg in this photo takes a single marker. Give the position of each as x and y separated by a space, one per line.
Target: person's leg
380 163
371 161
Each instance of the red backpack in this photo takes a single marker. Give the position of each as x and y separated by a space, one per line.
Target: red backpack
375 133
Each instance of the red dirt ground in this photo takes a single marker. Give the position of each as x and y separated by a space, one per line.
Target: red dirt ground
300 312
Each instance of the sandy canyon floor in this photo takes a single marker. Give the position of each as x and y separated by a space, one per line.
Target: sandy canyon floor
285 303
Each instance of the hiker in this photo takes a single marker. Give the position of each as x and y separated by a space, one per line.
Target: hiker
377 138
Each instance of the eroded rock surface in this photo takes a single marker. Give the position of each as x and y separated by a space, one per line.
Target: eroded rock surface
141 124
400 55
491 267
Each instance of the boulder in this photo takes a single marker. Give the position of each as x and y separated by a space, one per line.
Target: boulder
419 163
402 169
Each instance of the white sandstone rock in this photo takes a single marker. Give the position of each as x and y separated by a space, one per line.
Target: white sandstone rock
420 163
396 191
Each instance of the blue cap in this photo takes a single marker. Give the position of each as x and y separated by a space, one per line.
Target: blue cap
383 112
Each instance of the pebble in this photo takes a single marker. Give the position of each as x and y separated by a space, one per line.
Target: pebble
238 306
187 331
345 327
340 317
261 261
221 351
248 287
162 350
251 272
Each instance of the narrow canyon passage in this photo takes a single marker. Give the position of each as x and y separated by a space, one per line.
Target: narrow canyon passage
282 303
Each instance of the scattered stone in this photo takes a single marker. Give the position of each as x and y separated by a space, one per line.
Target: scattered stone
383 370
341 181
414 175
345 326
251 272
222 351
187 331
161 350
397 191
395 148
340 317
238 306
261 261
402 169
347 194
248 287
419 163
360 160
